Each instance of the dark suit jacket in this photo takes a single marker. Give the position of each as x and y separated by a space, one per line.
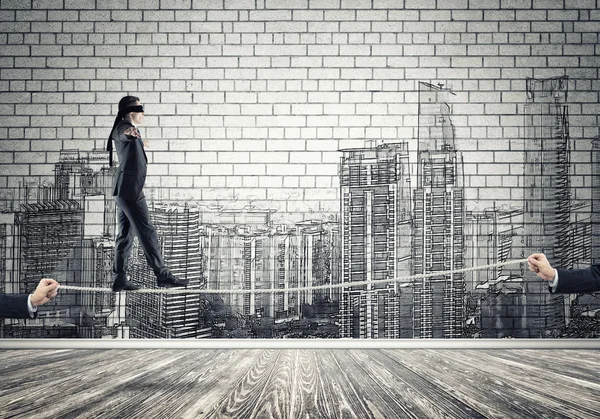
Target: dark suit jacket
131 175
579 280
14 306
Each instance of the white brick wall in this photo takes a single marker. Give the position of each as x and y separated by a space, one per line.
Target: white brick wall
251 99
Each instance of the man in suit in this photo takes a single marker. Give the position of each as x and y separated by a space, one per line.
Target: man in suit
133 215
24 306
565 281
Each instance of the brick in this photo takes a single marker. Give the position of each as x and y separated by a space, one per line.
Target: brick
580 4
117 27
467 15
175 4
16 4
419 50
141 27
109 50
14 27
270 15
419 4
482 27
30 15
355 26
452 50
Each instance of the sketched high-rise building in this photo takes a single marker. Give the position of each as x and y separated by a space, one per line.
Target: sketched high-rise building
547 196
316 241
257 254
595 245
494 295
171 315
86 177
439 207
97 307
375 238
3 267
286 304
67 174
48 243
225 263
489 239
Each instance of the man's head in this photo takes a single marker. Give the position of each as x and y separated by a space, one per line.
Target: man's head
131 109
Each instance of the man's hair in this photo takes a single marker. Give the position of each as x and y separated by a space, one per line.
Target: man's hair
124 103
127 101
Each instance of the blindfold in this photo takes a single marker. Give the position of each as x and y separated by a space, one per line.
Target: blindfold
133 108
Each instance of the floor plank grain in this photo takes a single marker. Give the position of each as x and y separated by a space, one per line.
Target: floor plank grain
299 383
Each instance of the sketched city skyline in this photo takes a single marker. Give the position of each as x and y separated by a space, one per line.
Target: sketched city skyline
397 217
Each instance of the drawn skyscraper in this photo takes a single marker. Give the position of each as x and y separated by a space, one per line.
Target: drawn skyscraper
284 265
258 255
375 236
170 315
439 220
546 198
316 241
225 263
595 156
48 243
489 238
3 265
97 307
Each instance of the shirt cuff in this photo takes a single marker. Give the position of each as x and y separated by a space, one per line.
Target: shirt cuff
30 307
554 282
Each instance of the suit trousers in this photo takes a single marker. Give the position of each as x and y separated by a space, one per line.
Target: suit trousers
134 218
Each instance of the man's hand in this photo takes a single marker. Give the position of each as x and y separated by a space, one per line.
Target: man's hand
46 289
539 264
146 143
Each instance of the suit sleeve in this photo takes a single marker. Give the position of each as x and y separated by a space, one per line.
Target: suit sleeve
14 306
128 132
578 280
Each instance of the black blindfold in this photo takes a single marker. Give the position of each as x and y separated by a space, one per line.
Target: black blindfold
133 108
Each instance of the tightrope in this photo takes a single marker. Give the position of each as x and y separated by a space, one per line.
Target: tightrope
179 290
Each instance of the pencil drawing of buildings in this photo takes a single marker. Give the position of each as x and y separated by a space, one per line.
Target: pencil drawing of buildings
403 210
547 197
375 235
595 184
439 220
169 315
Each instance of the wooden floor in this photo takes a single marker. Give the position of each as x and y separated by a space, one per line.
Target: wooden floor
298 383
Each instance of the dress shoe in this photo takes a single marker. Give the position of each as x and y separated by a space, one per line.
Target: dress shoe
169 280
124 284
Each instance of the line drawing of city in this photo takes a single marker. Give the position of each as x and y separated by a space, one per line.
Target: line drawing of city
403 211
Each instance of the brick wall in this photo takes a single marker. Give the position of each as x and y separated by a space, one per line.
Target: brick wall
252 99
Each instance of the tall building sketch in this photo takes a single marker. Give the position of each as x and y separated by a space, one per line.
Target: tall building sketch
375 234
547 200
439 218
170 315
494 296
595 184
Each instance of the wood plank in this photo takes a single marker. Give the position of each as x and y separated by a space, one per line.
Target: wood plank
496 387
406 390
299 383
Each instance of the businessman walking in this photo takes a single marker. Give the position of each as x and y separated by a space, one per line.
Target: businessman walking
132 210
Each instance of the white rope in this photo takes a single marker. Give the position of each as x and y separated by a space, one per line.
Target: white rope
298 289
